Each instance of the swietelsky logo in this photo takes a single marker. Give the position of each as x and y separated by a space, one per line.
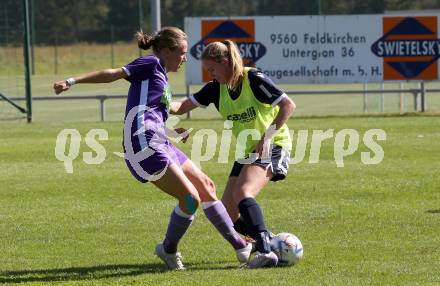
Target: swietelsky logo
241 31
409 47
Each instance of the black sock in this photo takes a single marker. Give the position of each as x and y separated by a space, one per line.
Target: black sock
240 226
253 217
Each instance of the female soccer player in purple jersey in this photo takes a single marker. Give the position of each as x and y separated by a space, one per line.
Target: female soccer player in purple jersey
149 155
252 102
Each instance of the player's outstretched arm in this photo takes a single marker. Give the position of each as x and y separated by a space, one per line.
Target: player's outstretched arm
182 107
102 76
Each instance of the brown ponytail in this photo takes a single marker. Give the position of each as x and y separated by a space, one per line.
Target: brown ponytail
144 40
167 37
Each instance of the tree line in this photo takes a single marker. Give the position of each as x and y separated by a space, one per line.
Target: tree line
68 21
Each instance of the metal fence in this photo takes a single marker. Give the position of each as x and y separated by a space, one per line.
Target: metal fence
419 96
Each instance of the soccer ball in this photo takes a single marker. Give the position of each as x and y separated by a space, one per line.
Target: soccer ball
288 248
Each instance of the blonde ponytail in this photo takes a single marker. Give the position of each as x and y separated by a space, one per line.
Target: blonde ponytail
217 51
236 65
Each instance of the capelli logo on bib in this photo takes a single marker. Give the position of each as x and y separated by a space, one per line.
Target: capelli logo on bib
243 117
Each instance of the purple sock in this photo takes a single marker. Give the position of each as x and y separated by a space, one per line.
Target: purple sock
176 229
219 217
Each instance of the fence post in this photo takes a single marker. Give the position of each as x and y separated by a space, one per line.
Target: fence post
112 48
32 31
365 98
188 90
422 96
401 99
141 20
382 99
415 95
56 53
102 106
27 55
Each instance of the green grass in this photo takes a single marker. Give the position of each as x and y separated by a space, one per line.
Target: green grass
360 225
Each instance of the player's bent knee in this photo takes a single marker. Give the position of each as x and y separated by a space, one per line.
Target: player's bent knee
210 187
190 203
208 190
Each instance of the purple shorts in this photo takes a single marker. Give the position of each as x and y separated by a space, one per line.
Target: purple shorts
148 152
156 163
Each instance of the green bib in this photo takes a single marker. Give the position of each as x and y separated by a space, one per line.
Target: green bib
248 113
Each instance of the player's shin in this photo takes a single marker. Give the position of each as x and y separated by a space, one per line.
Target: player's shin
253 217
216 213
178 225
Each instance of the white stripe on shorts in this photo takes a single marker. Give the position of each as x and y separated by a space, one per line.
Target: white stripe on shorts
280 162
140 117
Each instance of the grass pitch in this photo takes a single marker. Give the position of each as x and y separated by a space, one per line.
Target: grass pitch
360 225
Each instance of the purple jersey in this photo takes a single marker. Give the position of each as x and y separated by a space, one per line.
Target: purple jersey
149 84
145 140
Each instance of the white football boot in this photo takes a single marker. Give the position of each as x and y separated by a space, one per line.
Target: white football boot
244 253
264 260
172 260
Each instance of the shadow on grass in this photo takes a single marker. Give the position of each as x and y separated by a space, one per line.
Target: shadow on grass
433 211
95 272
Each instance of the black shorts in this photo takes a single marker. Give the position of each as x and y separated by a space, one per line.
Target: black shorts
279 164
